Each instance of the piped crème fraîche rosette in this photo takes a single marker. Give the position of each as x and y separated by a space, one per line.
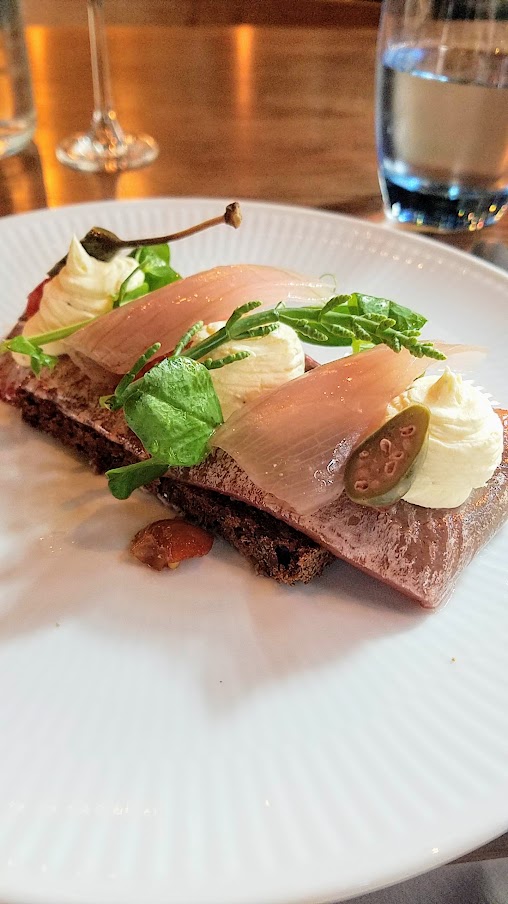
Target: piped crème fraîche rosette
273 359
465 439
83 289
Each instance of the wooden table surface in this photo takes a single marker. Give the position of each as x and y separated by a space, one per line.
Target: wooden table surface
279 114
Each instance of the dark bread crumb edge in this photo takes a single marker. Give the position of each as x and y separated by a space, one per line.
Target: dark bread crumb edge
273 548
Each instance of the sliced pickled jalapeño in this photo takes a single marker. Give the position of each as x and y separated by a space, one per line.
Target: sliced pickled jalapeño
381 470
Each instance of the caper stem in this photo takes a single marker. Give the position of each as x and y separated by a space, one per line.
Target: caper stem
103 244
231 217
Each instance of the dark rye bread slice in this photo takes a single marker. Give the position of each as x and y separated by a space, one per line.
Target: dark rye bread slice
417 551
64 405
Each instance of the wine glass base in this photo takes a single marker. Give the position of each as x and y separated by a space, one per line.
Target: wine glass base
83 152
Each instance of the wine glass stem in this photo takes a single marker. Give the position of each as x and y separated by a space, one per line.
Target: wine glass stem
105 127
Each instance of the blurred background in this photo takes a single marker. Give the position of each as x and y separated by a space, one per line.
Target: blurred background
260 99
246 98
209 12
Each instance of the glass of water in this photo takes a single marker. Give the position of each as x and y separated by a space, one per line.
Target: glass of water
442 112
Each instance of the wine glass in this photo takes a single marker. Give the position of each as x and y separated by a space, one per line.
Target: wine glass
105 147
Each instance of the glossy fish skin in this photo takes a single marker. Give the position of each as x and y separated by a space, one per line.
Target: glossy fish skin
116 340
419 552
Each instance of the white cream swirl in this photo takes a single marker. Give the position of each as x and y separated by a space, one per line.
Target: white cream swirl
83 289
465 439
273 359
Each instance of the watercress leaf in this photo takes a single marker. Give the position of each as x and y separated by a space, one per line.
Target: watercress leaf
404 317
147 255
154 261
152 265
162 276
126 294
369 304
143 289
174 411
122 481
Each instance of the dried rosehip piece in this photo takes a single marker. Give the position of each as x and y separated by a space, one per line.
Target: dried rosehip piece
166 543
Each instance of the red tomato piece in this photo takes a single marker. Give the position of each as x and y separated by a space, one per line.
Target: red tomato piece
34 298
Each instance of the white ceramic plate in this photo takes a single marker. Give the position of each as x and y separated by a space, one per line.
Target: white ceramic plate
205 735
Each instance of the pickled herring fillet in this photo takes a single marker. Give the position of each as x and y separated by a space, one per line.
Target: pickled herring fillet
116 340
418 551
294 442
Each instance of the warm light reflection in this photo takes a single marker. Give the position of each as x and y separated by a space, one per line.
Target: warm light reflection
244 46
37 48
138 186
46 138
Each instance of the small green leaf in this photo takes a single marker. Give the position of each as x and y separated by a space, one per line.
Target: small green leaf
146 254
244 327
428 350
122 481
138 292
174 410
154 260
125 294
38 359
361 333
257 332
307 331
404 318
163 277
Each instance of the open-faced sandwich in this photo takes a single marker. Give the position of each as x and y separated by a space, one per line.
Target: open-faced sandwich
199 389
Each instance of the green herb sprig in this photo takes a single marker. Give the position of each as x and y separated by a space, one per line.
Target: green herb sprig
24 346
32 345
346 320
